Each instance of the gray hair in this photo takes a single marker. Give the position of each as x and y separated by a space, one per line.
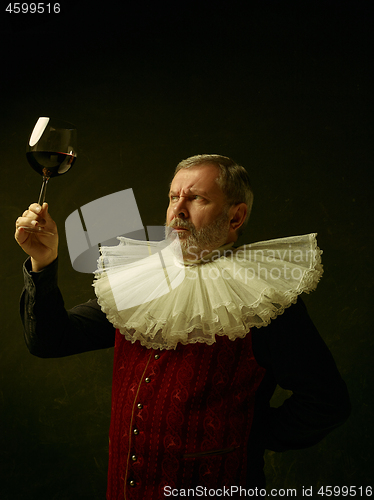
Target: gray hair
233 178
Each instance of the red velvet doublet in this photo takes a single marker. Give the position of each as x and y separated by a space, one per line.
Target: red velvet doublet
180 418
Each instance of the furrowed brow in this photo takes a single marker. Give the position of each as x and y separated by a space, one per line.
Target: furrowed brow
199 192
190 192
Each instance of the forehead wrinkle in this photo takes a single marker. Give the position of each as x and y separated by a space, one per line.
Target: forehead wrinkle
189 190
191 183
193 190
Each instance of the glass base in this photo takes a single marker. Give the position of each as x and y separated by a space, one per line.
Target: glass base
38 230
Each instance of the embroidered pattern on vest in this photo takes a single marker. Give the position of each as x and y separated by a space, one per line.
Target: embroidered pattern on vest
180 418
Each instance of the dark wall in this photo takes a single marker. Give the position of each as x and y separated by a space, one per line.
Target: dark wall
282 87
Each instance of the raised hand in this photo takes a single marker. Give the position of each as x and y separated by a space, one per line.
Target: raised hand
42 247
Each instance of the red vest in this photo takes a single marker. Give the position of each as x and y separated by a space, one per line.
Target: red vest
180 418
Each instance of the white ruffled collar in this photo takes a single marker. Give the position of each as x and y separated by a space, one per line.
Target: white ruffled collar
150 294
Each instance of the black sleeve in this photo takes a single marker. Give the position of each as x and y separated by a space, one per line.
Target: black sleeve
297 359
50 330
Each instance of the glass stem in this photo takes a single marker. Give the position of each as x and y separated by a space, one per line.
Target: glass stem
43 190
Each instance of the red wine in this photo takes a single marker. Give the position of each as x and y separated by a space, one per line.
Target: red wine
50 163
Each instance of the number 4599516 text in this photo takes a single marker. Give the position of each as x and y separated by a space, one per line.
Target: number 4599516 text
33 8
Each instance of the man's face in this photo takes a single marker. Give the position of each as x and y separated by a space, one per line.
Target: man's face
198 210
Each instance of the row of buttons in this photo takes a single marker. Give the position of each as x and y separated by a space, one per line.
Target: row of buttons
134 458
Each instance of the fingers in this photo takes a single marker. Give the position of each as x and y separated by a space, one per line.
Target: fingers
36 208
42 244
33 216
42 212
33 208
30 221
21 236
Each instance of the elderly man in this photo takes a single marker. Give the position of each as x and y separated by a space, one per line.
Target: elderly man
192 376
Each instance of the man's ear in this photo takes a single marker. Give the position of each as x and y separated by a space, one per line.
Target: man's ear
238 214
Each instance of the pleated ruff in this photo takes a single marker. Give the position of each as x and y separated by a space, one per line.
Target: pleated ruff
150 294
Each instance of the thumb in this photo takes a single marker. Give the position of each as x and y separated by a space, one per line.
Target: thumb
46 219
44 211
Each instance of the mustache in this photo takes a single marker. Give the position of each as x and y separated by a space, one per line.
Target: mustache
176 222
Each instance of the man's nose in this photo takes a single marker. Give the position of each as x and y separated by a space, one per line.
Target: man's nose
180 208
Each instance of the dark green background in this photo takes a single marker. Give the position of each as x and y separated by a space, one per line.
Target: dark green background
282 87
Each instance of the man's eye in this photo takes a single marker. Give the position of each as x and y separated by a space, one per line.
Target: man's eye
174 198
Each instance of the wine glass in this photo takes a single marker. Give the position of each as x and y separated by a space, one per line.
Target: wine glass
51 151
